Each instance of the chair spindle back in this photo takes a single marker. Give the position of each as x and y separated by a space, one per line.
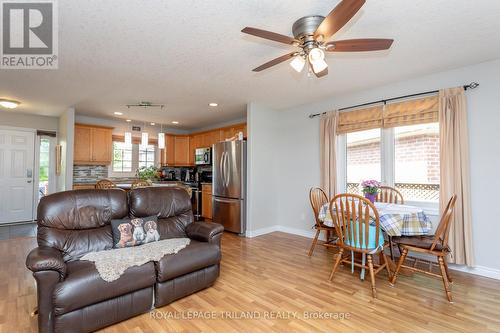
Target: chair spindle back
353 216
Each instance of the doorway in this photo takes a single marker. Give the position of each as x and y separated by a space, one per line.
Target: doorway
17 161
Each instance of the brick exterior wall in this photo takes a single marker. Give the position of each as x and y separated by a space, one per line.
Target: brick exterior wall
420 147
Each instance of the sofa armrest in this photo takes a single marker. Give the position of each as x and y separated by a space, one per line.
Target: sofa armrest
46 258
205 231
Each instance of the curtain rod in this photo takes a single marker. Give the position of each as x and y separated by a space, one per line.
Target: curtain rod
472 85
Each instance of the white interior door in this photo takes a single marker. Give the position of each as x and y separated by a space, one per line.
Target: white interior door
16 175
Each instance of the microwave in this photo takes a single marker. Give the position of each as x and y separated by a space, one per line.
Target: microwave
203 156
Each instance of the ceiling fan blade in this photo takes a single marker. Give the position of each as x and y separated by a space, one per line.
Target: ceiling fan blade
338 17
269 35
275 62
359 45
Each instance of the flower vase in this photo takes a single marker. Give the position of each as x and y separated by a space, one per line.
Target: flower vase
371 197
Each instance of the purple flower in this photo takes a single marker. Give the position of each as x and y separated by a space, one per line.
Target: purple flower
370 186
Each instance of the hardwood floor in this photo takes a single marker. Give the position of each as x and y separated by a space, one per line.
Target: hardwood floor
272 275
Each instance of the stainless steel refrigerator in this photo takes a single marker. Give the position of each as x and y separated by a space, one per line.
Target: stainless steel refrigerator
229 185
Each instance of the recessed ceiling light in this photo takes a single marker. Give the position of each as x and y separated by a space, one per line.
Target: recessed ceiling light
118 113
128 120
175 122
212 104
152 124
9 104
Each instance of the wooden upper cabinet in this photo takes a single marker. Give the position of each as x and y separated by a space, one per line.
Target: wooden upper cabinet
102 145
194 143
168 154
93 144
231 131
181 153
83 149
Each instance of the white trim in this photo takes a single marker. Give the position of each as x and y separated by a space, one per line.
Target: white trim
492 273
488 272
280 228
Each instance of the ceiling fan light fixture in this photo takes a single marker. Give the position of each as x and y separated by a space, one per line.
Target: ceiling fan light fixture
298 63
317 60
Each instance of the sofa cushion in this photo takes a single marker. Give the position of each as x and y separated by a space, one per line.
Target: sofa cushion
83 285
77 222
195 256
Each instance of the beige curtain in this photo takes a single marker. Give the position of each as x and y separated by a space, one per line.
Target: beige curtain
454 160
328 152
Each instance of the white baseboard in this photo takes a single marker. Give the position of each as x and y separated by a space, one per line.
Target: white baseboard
488 272
478 270
294 231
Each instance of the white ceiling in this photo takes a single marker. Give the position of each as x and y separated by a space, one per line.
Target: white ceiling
187 53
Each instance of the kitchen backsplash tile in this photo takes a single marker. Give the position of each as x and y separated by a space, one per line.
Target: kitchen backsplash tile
89 173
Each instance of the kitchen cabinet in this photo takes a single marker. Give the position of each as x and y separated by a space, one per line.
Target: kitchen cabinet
93 144
181 150
168 154
231 131
194 143
206 201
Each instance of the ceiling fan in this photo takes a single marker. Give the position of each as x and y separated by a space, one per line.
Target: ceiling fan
311 34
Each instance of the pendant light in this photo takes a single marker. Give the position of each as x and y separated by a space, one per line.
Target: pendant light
128 136
161 138
144 137
128 139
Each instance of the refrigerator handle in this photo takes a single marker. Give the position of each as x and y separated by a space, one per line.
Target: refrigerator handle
221 167
226 170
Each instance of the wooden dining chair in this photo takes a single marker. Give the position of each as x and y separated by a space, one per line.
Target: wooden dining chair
140 183
357 224
436 245
318 198
389 195
104 184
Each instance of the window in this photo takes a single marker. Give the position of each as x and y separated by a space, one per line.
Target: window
363 158
406 157
122 157
146 156
416 161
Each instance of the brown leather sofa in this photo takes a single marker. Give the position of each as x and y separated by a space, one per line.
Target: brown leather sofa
71 295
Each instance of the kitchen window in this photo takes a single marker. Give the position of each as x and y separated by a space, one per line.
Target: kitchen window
122 157
146 156
127 159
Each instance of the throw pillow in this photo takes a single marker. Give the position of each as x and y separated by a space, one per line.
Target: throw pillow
136 231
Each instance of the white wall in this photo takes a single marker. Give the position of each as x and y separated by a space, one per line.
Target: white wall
262 168
298 152
65 138
16 119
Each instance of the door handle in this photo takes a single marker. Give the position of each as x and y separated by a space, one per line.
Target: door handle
29 173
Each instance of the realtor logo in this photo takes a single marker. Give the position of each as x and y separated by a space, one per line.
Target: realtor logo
29 34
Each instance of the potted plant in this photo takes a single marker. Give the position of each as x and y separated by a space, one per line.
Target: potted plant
370 189
147 173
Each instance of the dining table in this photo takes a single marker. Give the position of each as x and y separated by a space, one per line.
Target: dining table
395 219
